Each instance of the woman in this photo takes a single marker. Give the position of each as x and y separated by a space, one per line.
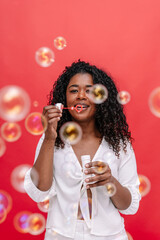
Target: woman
105 136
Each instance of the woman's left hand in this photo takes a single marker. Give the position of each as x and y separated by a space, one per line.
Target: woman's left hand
101 171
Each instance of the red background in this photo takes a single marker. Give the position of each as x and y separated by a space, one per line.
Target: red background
122 37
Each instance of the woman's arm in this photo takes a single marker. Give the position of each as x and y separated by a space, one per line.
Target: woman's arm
44 162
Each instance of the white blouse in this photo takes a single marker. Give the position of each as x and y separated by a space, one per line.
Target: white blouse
67 191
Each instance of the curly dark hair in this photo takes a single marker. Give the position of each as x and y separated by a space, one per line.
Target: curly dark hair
110 119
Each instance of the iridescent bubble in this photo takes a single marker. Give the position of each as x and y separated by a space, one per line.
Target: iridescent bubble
5 200
111 189
71 133
43 206
18 175
36 123
14 103
60 43
36 223
129 236
154 102
20 221
3 213
123 97
2 147
101 167
145 185
98 93
35 103
11 132
44 57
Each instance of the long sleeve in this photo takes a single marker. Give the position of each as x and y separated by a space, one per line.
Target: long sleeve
128 177
30 188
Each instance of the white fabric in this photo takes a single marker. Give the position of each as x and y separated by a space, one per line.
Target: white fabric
66 192
82 233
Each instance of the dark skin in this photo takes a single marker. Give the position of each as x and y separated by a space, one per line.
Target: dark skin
78 93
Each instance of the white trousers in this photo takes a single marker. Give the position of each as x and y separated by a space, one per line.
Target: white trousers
83 233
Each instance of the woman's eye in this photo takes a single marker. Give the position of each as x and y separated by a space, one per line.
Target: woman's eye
87 91
74 91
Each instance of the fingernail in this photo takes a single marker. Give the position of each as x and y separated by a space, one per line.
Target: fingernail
87 186
87 165
85 171
87 180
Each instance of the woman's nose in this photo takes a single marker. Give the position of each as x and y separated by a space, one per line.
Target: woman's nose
81 94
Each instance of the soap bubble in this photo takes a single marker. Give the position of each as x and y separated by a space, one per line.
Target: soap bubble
11 132
43 206
111 189
123 97
20 221
44 57
100 167
18 175
5 200
3 213
36 223
60 43
71 132
14 103
36 123
2 147
154 102
98 93
145 185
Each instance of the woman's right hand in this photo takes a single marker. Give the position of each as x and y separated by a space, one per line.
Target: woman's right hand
52 115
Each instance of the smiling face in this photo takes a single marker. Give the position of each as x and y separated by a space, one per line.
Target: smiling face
77 94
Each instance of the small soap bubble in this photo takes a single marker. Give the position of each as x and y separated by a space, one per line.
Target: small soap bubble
3 213
35 104
18 175
70 132
154 102
11 132
145 185
14 103
111 189
20 221
2 147
44 206
44 57
5 200
123 97
36 123
36 223
101 167
98 93
60 43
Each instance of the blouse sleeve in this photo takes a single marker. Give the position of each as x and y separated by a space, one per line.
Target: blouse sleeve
30 188
128 178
